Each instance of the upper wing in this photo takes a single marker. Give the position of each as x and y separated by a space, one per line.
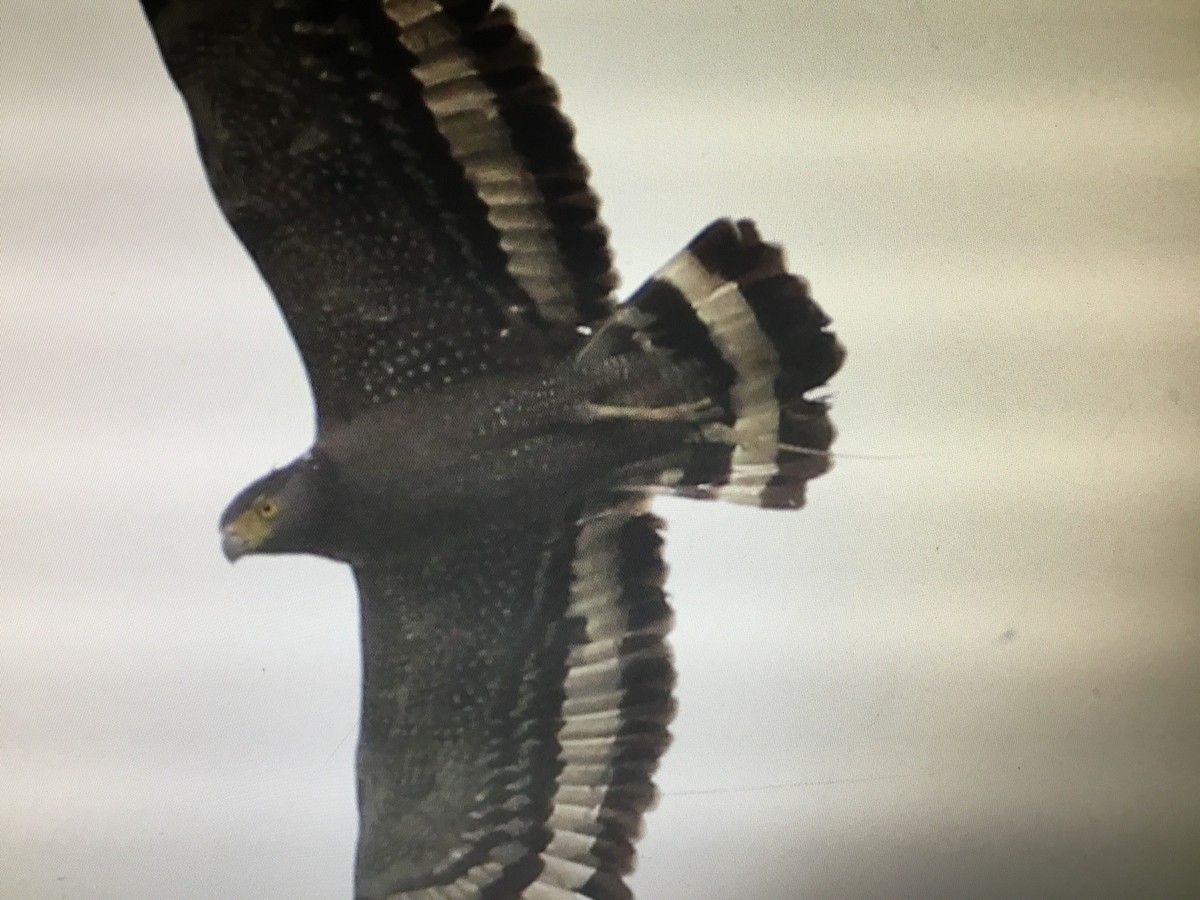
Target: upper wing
516 695
402 176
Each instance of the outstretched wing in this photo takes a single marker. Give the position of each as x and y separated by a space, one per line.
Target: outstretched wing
516 696
402 176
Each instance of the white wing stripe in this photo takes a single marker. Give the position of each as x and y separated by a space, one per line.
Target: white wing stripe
467 114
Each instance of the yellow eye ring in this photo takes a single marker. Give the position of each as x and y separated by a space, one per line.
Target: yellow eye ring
268 509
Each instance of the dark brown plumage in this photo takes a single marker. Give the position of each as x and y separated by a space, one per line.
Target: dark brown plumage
491 425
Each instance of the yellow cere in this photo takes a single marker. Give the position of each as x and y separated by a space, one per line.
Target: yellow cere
254 525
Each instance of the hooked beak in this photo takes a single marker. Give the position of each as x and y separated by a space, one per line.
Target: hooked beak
243 535
233 545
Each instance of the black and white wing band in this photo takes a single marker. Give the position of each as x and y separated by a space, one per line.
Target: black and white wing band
401 174
517 692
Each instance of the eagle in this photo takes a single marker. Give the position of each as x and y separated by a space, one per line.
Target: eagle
492 425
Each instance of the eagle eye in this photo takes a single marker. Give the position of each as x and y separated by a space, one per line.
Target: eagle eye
267 508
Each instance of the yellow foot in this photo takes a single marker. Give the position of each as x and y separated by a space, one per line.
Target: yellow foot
680 412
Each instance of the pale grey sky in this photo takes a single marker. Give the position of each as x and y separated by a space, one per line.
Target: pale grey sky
971 670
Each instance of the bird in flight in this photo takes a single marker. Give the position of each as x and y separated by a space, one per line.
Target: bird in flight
491 424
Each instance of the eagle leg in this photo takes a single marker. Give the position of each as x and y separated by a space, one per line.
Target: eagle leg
693 411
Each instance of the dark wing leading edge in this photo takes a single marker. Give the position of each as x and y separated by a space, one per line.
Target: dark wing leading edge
516 695
401 174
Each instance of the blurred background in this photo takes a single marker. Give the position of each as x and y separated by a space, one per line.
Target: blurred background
969 668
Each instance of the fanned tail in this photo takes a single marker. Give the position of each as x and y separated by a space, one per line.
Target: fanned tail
750 344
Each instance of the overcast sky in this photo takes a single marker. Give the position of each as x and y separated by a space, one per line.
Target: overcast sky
970 668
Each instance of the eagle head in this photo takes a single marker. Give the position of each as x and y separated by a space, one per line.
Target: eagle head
288 510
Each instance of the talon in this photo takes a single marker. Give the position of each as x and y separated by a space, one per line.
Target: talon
719 433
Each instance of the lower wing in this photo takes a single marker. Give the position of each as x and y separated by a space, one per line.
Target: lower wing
516 696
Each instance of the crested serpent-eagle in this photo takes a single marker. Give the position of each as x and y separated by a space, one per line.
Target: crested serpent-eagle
491 424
